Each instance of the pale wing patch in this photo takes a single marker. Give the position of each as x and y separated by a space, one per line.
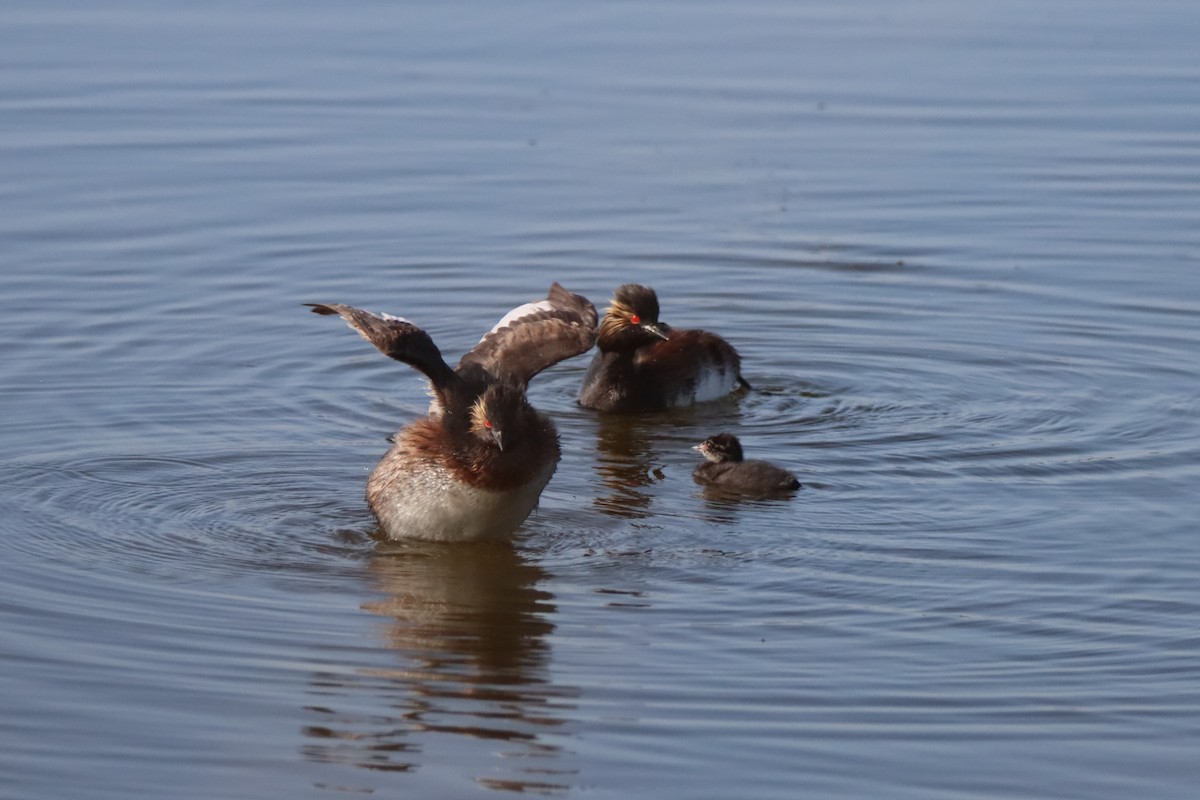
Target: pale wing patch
527 310
393 318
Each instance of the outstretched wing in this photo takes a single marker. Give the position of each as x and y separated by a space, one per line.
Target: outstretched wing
534 336
396 338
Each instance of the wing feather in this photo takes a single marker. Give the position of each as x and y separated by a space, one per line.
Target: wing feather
396 338
535 336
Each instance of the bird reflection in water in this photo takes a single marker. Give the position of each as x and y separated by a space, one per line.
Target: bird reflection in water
631 449
472 694
625 466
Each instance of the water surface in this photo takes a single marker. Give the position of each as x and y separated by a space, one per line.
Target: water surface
956 246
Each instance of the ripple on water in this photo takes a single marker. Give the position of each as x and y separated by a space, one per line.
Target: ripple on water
191 519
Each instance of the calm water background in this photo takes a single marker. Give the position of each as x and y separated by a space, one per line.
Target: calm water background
957 244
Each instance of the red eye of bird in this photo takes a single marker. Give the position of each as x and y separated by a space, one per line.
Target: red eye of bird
487 423
635 319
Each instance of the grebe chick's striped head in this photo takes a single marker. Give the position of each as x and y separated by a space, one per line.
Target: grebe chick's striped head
721 449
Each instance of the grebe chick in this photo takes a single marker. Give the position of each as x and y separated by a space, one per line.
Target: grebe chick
724 467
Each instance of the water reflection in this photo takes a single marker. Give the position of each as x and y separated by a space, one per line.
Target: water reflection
721 505
468 627
625 465
633 448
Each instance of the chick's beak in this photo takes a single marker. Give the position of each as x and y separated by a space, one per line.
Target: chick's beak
498 438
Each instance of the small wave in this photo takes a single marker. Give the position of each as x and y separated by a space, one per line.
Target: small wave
188 518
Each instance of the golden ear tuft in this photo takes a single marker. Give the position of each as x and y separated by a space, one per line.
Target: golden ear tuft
480 421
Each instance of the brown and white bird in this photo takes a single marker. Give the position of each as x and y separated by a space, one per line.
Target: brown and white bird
724 466
475 466
643 364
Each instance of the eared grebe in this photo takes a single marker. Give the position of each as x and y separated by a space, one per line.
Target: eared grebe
475 467
645 365
725 468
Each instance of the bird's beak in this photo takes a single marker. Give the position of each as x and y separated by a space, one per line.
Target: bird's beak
699 448
498 438
656 329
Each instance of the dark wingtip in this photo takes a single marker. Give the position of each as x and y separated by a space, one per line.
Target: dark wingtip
562 296
559 295
321 308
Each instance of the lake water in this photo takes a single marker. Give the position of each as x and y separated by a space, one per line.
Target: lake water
957 244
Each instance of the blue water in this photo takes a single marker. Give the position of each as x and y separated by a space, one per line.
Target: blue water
956 244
